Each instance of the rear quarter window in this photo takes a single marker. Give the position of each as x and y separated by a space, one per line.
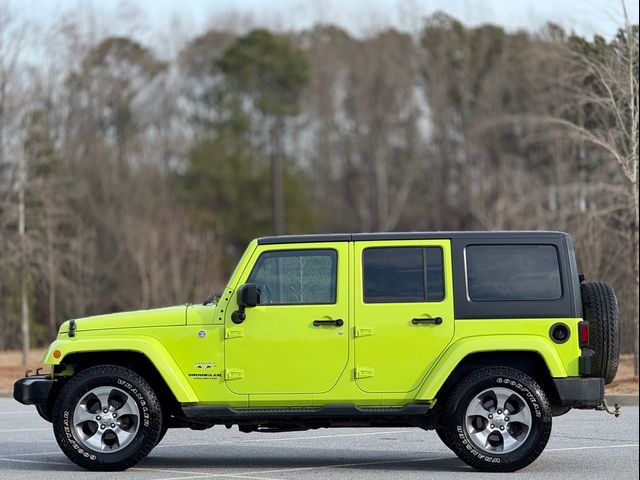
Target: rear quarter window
512 273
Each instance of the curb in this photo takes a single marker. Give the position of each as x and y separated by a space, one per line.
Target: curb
626 400
6 393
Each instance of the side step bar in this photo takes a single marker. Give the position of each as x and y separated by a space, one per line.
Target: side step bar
228 415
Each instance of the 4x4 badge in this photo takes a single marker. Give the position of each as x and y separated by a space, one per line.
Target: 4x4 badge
204 365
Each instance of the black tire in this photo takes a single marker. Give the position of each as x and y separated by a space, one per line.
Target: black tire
140 394
558 411
600 309
442 436
163 432
459 437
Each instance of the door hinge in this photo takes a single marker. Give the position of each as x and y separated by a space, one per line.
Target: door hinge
364 372
233 332
364 331
233 373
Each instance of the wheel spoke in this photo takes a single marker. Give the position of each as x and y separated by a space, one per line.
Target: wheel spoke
123 435
128 408
94 441
508 441
476 409
501 398
103 396
81 415
482 437
523 416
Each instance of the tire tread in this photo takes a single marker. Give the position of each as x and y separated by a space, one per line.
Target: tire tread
601 311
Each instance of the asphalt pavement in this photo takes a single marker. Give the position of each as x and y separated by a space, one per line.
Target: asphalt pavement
583 445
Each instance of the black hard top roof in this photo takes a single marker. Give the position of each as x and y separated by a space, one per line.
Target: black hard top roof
354 237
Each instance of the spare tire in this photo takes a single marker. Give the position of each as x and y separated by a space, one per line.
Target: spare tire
600 309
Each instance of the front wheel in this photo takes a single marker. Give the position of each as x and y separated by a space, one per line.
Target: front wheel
498 420
107 418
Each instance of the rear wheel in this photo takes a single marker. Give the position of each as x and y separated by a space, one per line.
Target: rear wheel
107 418
498 420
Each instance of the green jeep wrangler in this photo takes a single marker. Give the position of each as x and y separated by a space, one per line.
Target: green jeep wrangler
481 336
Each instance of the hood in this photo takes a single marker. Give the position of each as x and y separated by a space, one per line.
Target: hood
158 317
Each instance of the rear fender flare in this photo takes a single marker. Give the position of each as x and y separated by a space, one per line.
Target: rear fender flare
457 351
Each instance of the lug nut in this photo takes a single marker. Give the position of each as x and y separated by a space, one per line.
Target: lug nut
490 416
113 425
506 419
501 428
492 426
98 418
103 426
114 415
499 412
105 410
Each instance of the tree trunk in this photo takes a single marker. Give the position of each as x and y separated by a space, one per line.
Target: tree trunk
51 273
23 263
277 177
634 252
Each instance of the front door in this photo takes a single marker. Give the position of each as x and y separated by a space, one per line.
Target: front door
296 339
403 311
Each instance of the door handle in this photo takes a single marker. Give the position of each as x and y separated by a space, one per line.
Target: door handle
434 320
336 323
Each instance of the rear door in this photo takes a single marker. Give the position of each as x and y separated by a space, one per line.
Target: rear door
403 311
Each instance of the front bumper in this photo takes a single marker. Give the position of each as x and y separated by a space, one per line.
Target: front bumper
33 390
583 393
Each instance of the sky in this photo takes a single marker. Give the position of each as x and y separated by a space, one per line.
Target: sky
360 17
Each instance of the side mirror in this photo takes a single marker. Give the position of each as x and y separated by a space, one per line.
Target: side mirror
248 295
247 298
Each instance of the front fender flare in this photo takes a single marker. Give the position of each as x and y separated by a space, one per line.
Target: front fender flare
147 346
457 351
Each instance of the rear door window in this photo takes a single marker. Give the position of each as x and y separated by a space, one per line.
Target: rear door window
403 274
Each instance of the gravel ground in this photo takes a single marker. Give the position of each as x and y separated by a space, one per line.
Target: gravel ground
583 445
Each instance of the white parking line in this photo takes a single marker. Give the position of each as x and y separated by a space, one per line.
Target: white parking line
167 470
5 459
258 474
604 447
260 440
25 430
246 477
32 454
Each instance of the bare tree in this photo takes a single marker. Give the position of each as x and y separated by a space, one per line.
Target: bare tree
603 113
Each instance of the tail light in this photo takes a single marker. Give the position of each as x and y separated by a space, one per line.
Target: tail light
583 334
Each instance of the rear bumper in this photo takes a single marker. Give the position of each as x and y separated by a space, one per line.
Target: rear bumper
580 392
33 390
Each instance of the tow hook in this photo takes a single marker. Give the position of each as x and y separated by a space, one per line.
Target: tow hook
605 407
